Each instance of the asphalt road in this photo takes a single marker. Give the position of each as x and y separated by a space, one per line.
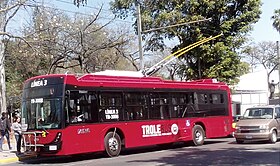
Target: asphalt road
214 152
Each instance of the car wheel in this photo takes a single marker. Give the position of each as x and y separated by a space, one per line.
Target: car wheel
273 137
239 141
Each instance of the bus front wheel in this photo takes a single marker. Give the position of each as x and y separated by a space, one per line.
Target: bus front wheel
112 142
198 135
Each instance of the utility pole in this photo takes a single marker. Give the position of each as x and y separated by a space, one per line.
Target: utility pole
139 31
278 55
3 106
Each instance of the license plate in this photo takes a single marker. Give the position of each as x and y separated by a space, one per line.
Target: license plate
52 147
249 137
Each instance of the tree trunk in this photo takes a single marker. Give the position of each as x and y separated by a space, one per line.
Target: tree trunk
3 4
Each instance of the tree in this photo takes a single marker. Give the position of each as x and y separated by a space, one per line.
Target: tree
8 9
75 43
80 2
264 54
276 20
52 42
216 59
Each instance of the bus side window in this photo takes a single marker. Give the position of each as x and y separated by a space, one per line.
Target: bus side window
73 112
174 107
154 107
66 109
84 113
110 106
133 110
164 106
202 98
94 107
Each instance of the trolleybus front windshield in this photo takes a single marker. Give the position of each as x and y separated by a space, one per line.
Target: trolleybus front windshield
42 107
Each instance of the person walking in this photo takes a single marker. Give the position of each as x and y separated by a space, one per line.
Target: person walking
2 133
5 127
272 86
16 127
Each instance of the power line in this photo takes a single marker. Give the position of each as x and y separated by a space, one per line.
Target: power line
76 12
87 6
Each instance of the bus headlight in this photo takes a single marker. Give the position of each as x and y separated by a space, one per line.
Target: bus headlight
57 138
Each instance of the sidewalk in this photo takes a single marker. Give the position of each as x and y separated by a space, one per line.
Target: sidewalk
10 156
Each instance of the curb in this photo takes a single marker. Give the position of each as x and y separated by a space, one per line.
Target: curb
9 160
14 159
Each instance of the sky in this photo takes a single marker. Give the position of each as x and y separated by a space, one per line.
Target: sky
263 30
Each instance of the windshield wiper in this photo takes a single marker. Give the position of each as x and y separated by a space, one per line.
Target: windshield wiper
42 127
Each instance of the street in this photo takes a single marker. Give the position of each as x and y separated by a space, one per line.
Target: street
222 151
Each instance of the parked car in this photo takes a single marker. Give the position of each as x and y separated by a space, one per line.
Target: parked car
234 121
259 124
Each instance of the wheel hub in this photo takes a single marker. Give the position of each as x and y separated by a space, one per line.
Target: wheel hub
198 136
113 144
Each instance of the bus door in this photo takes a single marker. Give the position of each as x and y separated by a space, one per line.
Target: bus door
182 109
81 111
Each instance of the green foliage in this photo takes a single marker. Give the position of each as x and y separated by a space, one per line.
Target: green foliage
55 43
80 2
276 20
218 58
14 67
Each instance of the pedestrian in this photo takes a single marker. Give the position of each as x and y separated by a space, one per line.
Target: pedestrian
2 133
272 88
5 127
16 127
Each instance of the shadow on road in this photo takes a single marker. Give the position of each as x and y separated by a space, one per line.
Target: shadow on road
90 156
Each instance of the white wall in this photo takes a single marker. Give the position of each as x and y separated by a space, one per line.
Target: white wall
250 98
252 89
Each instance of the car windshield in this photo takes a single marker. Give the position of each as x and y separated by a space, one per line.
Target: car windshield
258 113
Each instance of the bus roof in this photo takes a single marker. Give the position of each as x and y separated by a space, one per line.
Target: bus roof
138 81
145 82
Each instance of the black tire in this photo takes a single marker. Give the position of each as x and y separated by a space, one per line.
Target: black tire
198 135
273 137
239 141
112 143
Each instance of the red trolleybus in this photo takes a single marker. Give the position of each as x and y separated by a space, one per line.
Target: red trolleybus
65 114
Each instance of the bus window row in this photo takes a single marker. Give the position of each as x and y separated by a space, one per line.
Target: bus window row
91 106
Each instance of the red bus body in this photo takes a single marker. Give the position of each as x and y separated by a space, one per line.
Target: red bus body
84 137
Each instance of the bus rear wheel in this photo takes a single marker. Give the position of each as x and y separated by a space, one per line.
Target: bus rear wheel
112 142
198 135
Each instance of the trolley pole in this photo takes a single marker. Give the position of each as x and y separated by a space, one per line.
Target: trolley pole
139 31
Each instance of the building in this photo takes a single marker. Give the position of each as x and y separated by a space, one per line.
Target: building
253 90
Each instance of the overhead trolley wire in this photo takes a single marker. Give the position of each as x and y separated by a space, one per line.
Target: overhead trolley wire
174 55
